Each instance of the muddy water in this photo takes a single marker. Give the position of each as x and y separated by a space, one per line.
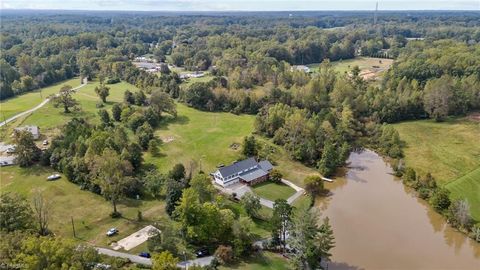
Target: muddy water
380 224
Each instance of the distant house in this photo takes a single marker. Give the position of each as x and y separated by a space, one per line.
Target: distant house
300 68
247 171
34 130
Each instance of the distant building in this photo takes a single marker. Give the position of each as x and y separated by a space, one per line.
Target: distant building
300 68
191 75
247 171
34 130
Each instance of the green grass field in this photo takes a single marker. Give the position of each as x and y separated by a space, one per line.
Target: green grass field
201 139
49 118
272 191
450 151
343 66
17 104
468 186
89 211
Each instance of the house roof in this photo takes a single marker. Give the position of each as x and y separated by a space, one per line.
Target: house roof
31 129
266 165
238 167
253 174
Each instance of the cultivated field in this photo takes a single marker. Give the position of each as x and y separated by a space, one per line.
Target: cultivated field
449 151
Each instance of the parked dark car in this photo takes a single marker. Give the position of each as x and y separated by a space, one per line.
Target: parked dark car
202 252
144 255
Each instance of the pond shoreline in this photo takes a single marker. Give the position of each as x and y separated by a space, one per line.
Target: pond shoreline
380 223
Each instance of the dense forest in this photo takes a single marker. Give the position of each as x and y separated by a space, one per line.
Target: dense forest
311 114
318 117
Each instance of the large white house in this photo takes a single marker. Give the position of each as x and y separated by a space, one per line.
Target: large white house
248 171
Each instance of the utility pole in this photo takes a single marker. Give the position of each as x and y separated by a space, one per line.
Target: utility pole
375 18
73 227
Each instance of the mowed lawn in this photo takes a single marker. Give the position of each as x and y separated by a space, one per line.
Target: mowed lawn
18 104
468 186
450 151
90 212
273 191
261 261
201 140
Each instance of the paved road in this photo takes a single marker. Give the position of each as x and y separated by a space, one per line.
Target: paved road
132 258
33 109
140 260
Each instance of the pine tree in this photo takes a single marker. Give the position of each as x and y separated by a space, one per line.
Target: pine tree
328 162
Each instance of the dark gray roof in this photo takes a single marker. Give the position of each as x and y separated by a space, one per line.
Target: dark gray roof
238 167
253 174
266 165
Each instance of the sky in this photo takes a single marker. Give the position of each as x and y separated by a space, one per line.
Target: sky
241 5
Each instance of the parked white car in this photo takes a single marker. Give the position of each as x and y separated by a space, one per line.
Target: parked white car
112 232
54 177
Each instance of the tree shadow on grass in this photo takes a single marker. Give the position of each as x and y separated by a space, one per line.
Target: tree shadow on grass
36 170
257 258
167 120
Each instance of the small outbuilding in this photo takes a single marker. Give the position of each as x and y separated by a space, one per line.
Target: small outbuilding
34 130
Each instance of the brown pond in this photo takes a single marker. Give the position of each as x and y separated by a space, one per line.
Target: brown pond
379 224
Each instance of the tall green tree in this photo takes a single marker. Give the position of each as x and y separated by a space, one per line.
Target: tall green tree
281 221
249 146
328 163
110 173
15 213
202 184
65 99
251 203
311 242
164 261
162 102
26 150
313 185
103 92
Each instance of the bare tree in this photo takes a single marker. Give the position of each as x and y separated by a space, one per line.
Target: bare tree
461 211
41 208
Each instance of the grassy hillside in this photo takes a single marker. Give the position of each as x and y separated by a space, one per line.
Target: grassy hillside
49 118
89 211
17 104
204 139
450 151
201 139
